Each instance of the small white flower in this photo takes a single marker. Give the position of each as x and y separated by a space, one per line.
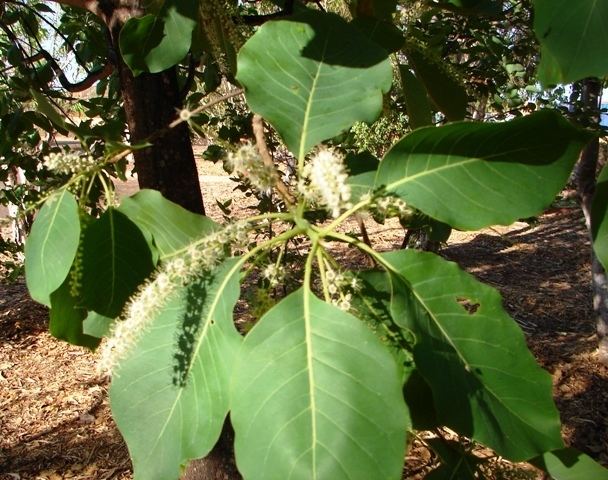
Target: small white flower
247 163
325 179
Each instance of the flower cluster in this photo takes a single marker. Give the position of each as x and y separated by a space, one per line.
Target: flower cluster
274 274
324 181
199 258
247 163
69 163
341 286
389 206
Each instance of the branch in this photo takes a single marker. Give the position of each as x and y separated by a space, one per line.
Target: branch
90 5
260 140
260 19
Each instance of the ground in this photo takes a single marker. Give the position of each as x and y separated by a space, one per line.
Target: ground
55 421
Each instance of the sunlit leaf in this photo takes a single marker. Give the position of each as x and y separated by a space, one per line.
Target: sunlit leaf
570 464
316 395
312 77
170 397
573 39
51 246
172 227
471 175
486 384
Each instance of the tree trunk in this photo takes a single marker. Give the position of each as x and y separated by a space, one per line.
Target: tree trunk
219 464
151 102
585 176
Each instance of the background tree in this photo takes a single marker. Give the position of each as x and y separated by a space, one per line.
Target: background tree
312 390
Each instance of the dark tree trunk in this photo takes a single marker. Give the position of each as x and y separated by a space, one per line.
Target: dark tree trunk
585 176
151 102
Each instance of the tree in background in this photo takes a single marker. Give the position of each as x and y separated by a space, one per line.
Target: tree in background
328 382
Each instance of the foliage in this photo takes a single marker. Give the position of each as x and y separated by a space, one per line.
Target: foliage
336 375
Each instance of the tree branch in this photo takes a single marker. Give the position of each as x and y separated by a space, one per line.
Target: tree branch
260 140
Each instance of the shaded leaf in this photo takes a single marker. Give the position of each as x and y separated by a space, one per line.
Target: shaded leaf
312 77
170 397
485 382
116 259
51 246
443 87
418 106
316 395
383 33
66 317
171 226
154 43
472 175
573 39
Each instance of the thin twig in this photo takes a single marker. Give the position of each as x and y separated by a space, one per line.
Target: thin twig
260 140
159 133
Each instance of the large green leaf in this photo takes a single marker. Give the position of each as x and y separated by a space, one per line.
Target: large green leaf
66 318
154 43
486 384
172 227
316 395
170 396
573 39
51 246
471 175
570 464
599 218
313 77
116 259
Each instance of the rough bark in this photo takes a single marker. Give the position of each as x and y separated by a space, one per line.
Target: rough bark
151 102
585 177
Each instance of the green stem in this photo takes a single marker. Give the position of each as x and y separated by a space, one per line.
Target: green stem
332 226
321 263
363 247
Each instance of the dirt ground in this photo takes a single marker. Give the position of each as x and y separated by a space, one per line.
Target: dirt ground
55 421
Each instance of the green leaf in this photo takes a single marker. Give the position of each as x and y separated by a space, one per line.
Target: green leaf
316 395
313 77
418 106
51 246
116 260
573 39
170 396
154 43
444 88
570 464
384 33
471 175
486 384
172 227
47 108
66 316
599 218
96 325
